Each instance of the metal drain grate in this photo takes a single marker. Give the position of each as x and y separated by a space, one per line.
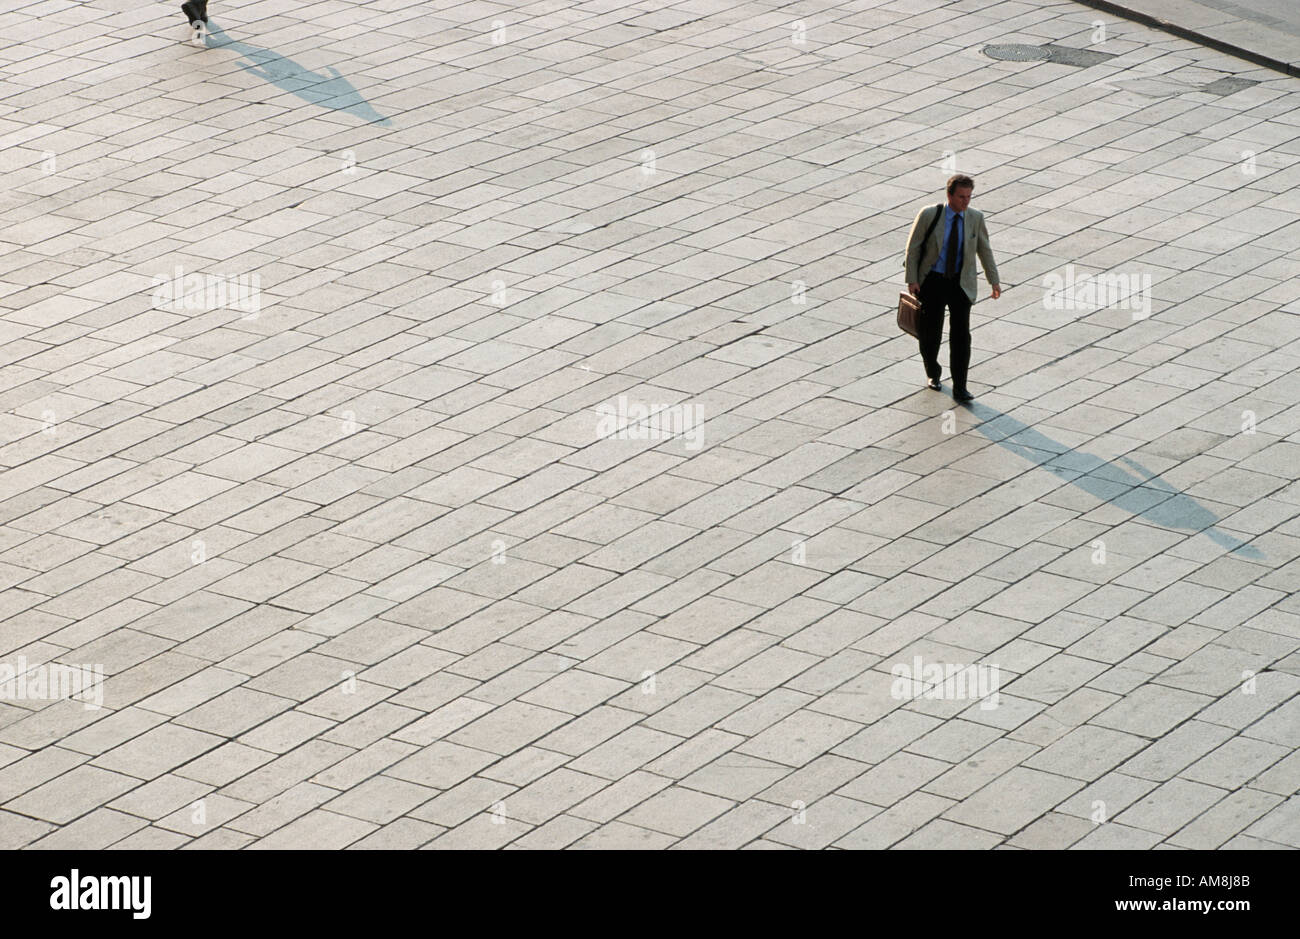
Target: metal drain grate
1016 52
1061 55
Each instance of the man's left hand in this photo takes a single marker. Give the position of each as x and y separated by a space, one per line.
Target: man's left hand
997 291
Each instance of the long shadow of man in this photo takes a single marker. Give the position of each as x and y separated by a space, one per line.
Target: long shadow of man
333 91
1141 492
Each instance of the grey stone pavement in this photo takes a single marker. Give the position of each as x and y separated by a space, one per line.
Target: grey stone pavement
1263 31
361 541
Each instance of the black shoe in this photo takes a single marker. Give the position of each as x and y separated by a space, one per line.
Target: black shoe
933 384
962 395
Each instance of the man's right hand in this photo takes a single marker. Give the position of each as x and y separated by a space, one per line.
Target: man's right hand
914 289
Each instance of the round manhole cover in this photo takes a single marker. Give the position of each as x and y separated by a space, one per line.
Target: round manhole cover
1016 52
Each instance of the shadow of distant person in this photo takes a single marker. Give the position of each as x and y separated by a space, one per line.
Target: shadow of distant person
329 91
1140 492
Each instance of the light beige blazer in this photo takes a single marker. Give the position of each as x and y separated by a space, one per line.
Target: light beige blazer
920 258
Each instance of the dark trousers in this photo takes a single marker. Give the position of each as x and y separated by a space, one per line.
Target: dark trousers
936 293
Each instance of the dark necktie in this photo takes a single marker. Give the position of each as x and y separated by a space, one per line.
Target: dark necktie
950 263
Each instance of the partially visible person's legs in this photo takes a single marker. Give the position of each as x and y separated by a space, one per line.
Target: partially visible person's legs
934 295
958 335
196 11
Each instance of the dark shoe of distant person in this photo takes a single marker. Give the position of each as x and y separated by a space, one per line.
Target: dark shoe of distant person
932 384
963 395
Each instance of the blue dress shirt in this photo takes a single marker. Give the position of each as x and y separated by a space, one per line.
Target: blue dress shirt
949 219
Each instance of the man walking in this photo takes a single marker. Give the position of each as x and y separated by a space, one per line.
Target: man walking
941 272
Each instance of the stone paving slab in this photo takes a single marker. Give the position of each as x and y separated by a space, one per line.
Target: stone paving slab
488 428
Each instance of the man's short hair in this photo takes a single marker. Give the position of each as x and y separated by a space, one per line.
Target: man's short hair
959 181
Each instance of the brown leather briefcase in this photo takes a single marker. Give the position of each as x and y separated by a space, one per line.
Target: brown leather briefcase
909 307
909 315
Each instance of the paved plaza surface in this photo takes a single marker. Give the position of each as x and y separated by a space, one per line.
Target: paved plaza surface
367 544
1263 31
